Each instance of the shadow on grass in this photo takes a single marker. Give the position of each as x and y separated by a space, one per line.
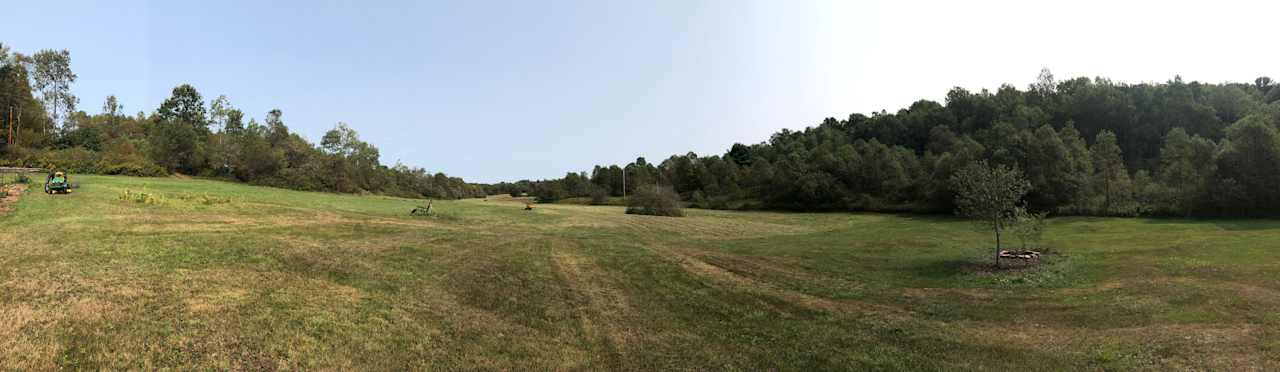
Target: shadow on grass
1229 225
947 269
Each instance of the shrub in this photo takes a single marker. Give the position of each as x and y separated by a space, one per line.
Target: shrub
75 160
140 197
139 168
660 202
599 196
549 192
204 199
1028 227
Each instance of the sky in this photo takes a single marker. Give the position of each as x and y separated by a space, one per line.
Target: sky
508 90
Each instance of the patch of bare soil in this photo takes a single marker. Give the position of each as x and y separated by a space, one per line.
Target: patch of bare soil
12 193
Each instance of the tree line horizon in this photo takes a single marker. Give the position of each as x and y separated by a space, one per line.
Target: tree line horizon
1087 146
186 135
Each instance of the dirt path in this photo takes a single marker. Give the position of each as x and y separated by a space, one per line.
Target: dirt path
12 193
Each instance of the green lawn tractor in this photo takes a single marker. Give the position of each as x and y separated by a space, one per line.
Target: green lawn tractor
57 183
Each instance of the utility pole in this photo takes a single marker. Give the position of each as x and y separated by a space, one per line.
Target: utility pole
9 140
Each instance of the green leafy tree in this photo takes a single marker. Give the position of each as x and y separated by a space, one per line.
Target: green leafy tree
185 106
1251 160
1110 177
989 195
1186 167
51 75
113 110
172 145
1028 226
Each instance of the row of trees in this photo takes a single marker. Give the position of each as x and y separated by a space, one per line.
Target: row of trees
1087 146
187 135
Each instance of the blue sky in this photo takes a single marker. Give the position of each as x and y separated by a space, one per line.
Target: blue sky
507 90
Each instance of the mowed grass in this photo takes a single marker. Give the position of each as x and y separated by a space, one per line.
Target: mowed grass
214 275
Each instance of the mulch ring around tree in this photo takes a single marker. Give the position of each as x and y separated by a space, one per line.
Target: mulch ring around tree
11 195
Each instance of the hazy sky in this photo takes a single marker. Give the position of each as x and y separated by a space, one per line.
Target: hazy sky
496 90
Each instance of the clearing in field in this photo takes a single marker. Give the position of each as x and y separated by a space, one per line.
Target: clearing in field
152 273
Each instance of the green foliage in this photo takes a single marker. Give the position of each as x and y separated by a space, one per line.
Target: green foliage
599 196
1111 179
186 107
177 138
140 197
173 145
52 76
659 202
989 195
1028 226
1082 143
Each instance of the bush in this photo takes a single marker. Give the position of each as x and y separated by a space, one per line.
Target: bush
140 197
139 169
599 196
75 160
549 192
660 202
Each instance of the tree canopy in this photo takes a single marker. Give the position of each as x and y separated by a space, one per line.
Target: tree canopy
1088 146
186 134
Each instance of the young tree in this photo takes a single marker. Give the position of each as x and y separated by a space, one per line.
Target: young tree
219 112
112 108
1028 226
989 195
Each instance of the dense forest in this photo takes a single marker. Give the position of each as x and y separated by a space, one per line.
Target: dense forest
43 127
1088 147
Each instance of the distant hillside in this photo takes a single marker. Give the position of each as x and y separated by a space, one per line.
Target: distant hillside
1088 146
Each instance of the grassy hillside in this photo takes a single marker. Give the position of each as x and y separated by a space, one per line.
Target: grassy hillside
215 275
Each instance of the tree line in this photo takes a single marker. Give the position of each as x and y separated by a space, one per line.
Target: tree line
1087 147
42 127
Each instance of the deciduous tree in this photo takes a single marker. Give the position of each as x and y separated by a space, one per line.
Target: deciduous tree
990 195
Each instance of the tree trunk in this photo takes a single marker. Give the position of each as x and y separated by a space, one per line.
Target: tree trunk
996 222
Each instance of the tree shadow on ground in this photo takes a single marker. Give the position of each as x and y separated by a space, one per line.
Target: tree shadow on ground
946 269
1229 225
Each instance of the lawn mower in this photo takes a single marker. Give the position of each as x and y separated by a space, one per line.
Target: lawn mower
57 183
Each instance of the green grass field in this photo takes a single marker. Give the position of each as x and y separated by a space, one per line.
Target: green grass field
210 275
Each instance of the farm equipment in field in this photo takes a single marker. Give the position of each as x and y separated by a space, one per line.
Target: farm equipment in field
57 182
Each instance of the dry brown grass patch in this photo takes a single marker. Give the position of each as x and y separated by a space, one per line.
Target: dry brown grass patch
602 309
13 193
692 264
